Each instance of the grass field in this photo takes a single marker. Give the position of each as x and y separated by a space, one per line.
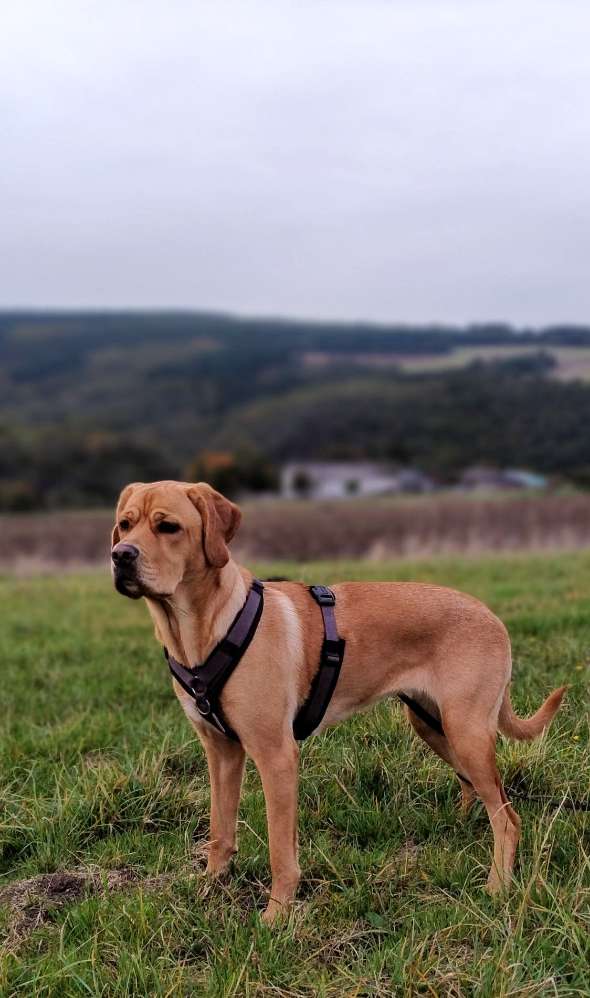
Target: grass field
104 813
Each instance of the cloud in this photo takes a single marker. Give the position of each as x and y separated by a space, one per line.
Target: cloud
410 159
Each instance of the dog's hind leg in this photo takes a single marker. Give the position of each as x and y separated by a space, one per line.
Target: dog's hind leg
473 745
440 745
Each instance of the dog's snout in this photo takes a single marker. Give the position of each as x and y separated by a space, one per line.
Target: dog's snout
124 555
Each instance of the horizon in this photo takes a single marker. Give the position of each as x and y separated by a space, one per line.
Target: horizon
244 316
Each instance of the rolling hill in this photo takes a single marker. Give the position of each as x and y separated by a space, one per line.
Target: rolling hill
90 400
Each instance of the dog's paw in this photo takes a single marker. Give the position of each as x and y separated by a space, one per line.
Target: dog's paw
216 869
495 886
276 912
219 859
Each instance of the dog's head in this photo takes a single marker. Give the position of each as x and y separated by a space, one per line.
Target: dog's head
166 531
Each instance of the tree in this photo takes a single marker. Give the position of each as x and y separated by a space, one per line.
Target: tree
234 474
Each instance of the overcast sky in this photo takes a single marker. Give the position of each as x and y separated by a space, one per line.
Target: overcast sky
381 159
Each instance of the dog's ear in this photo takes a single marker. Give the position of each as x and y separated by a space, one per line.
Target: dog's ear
221 518
115 536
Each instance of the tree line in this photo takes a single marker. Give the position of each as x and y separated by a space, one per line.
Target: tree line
90 401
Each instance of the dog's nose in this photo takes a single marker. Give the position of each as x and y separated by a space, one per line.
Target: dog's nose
124 555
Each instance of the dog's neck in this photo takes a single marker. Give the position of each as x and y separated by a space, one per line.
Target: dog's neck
200 613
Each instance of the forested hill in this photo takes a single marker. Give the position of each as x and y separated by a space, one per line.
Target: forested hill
90 400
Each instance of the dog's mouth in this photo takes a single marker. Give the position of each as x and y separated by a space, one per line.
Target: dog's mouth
128 585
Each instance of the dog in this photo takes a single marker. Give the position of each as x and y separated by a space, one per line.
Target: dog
444 649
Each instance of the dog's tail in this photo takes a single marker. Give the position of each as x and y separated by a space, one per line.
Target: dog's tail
525 729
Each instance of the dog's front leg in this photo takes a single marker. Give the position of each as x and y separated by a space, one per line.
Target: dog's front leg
225 759
279 771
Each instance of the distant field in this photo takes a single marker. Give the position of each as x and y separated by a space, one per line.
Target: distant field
104 812
403 527
572 362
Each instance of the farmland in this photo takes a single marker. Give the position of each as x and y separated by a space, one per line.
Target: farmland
375 529
104 815
569 362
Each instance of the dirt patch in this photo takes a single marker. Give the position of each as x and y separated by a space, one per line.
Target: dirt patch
400 865
32 901
97 758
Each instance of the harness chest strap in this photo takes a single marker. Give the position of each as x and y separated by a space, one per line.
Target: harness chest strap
204 683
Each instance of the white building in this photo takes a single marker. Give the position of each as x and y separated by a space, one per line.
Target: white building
345 479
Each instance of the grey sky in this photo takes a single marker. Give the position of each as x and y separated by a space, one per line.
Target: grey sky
384 159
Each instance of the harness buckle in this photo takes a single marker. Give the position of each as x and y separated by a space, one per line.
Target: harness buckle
332 652
198 687
203 706
323 596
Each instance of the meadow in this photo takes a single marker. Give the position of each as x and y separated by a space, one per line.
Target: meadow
105 798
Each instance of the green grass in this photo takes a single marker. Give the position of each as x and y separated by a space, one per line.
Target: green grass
100 772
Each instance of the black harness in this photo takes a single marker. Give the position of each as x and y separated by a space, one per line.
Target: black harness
204 683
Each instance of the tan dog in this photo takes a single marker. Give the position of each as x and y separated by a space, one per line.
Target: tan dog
441 647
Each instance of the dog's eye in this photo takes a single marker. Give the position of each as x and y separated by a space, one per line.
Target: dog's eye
124 524
166 527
